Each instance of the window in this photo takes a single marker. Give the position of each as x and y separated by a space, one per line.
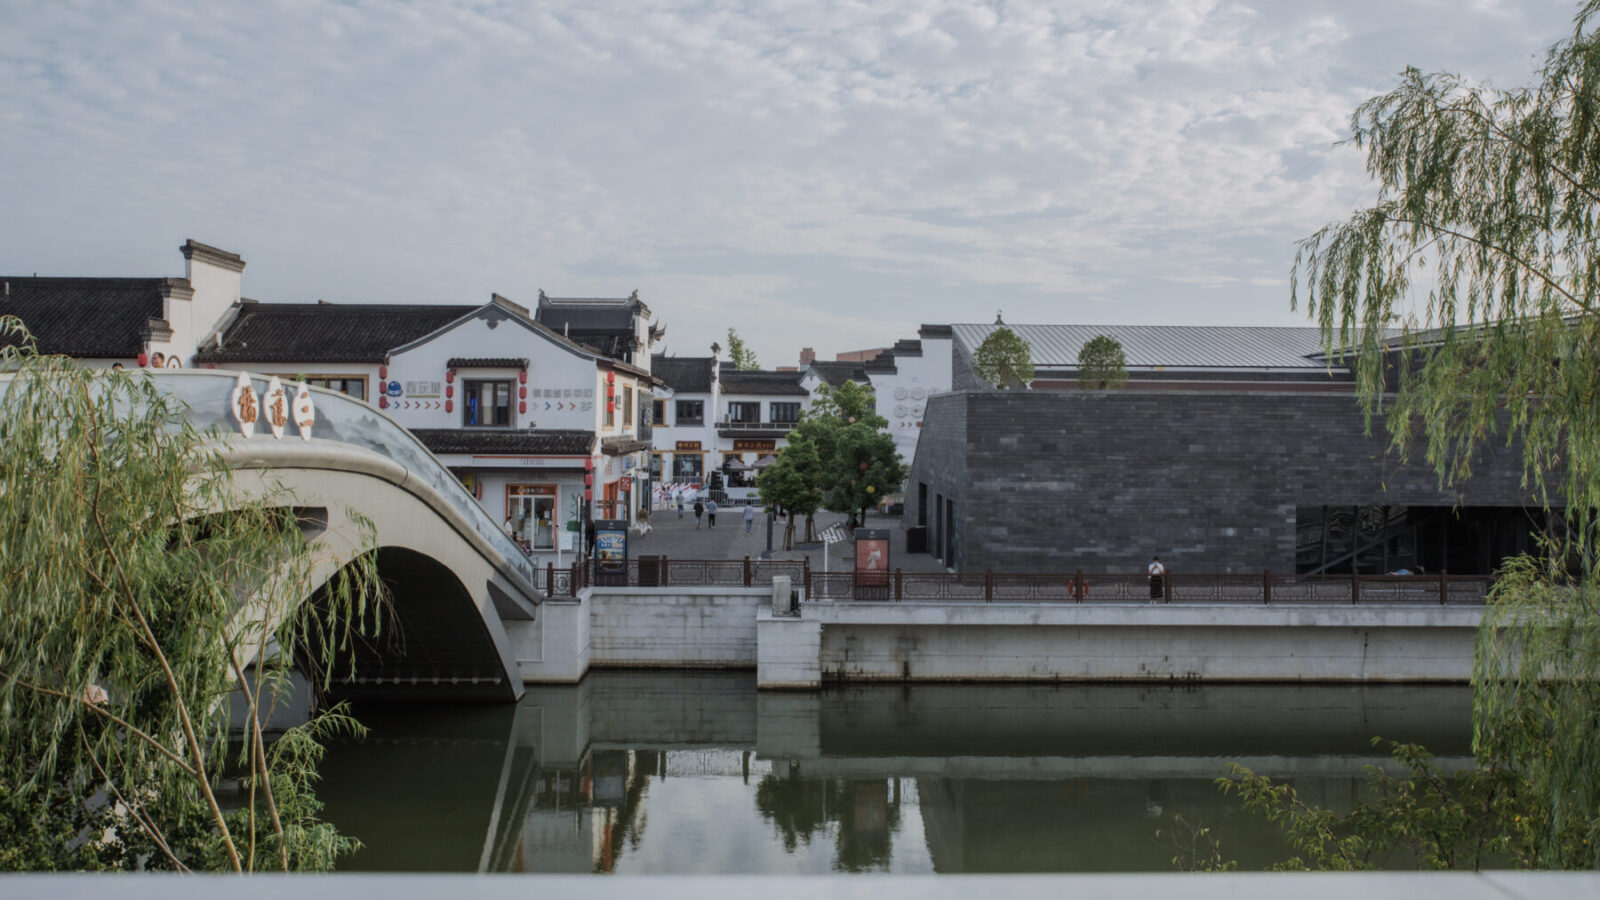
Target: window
691 412
686 466
658 412
744 412
627 406
786 413
532 511
486 404
350 385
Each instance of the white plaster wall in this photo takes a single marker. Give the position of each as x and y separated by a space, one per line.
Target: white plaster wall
687 628
564 390
665 439
216 290
902 396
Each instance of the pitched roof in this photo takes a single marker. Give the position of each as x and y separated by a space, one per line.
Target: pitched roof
90 317
1187 346
837 373
684 374
762 382
326 332
594 314
568 442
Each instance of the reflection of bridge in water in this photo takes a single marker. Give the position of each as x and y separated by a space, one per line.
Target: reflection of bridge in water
635 771
463 594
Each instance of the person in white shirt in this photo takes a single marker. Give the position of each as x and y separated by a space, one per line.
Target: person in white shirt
749 518
1157 574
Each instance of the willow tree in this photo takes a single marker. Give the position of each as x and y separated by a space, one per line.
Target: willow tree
1469 295
142 590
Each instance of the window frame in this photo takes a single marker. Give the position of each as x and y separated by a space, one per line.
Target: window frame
471 386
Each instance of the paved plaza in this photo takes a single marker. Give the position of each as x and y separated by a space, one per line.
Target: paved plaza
677 538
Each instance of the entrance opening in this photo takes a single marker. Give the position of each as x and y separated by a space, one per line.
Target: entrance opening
1373 540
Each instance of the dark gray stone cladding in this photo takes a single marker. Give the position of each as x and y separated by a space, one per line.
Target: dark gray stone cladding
1103 480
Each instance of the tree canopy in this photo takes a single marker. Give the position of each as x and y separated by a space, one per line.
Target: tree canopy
742 357
127 552
1102 364
1004 359
1469 295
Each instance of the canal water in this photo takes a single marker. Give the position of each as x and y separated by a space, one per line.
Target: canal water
673 772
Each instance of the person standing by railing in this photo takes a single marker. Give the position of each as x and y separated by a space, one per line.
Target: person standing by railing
1158 574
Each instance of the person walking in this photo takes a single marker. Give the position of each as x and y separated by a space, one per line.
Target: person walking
711 513
749 518
1157 574
679 499
699 510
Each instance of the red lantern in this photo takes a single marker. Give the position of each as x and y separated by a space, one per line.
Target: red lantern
449 406
383 401
522 377
449 390
144 359
611 377
522 407
522 393
588 479
588 463
588 494
449 375
383 373
211 365
863 467
611 406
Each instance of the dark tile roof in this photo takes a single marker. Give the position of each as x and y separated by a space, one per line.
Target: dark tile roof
935 331
762 382
487 362
89 317
684 374
483 440
602 314
837 373
326 332
613 446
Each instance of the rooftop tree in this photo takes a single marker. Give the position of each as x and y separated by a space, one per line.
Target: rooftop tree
1004 359
1102 364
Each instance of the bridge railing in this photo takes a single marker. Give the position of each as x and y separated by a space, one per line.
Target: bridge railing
1013 587
209 394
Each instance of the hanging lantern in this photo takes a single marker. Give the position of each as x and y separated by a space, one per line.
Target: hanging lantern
522 393
383 373
588 479
522 407
611 406
588 463
449 406
588 494
383 401
144 360
522 377
449 390
449 375
863 467
611 377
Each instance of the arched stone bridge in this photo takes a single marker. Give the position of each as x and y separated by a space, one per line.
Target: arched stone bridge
462 590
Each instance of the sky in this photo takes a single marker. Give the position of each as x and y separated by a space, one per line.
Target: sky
826 175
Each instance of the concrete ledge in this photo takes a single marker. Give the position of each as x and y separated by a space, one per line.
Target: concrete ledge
1226 615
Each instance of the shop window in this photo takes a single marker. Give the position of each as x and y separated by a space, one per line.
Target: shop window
486 404
744 412
785 413
691 412
687 465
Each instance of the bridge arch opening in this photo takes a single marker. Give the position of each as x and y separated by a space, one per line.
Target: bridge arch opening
426 639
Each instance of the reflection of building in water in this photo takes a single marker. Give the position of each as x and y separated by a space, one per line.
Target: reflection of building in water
581 820
863 815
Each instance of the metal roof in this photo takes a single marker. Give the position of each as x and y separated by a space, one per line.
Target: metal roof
1196 346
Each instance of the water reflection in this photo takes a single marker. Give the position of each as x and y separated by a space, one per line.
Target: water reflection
694 772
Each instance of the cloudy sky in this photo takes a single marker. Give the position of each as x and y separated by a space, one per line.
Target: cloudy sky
826 175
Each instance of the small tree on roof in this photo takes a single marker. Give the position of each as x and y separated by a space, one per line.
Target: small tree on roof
1004 359
1102 364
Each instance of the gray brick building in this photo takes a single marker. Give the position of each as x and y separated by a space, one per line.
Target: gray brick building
1231 481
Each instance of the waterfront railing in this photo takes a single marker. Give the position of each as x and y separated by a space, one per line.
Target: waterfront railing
1015 587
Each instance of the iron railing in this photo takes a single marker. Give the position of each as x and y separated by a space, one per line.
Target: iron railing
1013 587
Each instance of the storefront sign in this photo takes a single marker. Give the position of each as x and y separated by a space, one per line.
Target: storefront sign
688 447
755 446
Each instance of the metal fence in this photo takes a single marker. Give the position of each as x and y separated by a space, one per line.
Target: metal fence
1011 587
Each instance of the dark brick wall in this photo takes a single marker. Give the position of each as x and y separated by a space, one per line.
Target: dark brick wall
1100 481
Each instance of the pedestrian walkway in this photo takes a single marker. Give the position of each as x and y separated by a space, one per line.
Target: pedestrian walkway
677 538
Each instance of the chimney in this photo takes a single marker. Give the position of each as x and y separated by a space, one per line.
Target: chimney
807 357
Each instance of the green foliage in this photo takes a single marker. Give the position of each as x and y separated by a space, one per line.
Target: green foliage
1482 246
846 404
1004 359
792 485
140 585
1426 817
1102 364
742 357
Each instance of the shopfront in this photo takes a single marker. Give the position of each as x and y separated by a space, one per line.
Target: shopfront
532 508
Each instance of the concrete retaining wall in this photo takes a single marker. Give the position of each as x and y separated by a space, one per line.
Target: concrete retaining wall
702 627
1086 642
